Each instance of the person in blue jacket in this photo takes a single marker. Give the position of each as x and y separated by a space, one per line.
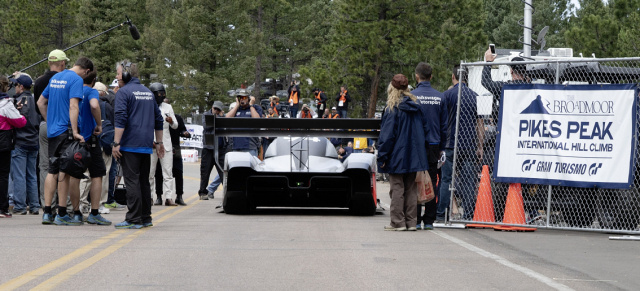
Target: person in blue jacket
137 116
435 114
401 152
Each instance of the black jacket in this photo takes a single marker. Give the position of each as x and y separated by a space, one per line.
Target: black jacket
27 137
346 103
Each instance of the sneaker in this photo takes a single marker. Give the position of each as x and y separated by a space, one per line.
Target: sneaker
98 219
114 206
428 227
18 211
204 197
418 226
66 220
147 224
47 218
126 224
34 212
412 228
391 228
6 214
103 210
210 195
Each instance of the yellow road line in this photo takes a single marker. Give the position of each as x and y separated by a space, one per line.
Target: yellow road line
64 275
27 277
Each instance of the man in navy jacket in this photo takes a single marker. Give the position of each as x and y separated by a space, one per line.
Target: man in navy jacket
435 114
133 142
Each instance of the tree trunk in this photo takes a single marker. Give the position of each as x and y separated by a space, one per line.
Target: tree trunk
375 83
258 77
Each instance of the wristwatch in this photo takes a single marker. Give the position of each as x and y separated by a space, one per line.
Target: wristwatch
115 144
157 142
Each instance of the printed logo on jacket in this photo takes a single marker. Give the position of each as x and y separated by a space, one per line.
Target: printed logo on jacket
577 135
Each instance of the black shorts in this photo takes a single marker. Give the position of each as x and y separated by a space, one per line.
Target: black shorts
97 168
57 146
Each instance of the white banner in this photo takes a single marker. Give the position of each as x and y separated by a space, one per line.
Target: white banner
197 137
577 135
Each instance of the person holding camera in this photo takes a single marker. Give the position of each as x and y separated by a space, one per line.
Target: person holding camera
306 112
321 99
246 108
343 100
10 118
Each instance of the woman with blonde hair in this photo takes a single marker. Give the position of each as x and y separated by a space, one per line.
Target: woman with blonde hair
10 118
402 152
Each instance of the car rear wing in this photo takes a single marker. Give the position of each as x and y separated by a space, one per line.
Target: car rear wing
278 127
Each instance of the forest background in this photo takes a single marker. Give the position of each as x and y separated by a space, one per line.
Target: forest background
201 49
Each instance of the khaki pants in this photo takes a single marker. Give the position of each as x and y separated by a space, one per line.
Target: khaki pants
404 197
168 183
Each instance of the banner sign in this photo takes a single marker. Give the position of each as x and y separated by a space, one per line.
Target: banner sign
197 137
575 135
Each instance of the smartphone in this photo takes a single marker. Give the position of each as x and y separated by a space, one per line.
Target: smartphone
492 47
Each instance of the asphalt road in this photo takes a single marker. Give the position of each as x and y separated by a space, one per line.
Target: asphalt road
197 247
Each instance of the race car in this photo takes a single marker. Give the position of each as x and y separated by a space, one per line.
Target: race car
300 167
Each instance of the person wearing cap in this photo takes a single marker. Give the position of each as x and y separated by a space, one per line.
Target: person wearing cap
321 99
294 98
274 103
59 105
334 113
431 100
518 76
207 162
57 61
343 99
114 86
401 153
25 152
246 108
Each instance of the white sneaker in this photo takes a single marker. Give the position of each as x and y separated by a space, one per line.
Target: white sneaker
103 210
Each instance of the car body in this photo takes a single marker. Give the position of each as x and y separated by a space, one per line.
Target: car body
299 172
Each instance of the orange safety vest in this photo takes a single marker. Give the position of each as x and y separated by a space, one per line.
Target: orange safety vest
333 116
293 97
318 96
342 96
305 114
275 110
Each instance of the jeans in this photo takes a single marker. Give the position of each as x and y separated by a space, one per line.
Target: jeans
25 181
252 152
343 113
466 182
112 180
214 185
293 111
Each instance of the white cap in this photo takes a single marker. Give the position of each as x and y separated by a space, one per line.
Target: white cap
114 83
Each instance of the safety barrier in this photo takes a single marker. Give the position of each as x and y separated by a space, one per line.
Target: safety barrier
556 150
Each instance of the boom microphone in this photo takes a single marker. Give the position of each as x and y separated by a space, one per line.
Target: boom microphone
134 31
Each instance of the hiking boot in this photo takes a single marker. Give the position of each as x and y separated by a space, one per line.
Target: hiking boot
97 219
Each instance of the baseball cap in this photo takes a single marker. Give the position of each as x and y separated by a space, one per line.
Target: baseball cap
334 108
100 87
23 80
217 105
114 83
242 92
57 55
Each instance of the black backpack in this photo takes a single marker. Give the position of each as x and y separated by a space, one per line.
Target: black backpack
108 131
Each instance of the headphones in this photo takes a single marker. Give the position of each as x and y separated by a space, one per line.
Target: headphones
126 74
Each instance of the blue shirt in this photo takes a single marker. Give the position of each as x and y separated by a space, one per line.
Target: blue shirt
86 122
468 117
435 112
62 87
244 143
137 112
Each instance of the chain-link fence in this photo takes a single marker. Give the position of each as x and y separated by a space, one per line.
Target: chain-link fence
479 197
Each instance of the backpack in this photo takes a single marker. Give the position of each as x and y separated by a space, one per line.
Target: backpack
108 131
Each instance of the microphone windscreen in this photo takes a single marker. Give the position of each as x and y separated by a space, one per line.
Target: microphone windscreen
134 32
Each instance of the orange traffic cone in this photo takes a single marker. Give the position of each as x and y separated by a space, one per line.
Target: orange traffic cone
514 210
484 202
